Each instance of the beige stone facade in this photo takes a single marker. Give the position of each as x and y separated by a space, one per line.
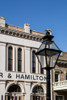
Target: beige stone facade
21 77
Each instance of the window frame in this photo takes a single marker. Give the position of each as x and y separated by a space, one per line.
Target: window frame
33 62
60 96
66 76
10 58
19 59
56 73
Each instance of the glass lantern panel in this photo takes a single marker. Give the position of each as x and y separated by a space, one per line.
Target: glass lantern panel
51 52
51 60
47 61
48 48
51 45
42 46
54 46
42 63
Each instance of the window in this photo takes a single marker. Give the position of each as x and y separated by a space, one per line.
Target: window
10 58
38 89
14 88
66 75
1 97
19 59
41 64
59 97
33 61
56 77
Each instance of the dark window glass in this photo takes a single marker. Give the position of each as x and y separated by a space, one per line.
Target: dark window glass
10 60
41 64
14 88
1 97
59 97
56 77
19 98
66 76
16 98
33 61
38 89
8 97
19 59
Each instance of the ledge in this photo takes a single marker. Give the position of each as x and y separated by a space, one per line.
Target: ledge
19 34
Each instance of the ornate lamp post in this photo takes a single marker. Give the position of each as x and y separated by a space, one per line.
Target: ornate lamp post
51 52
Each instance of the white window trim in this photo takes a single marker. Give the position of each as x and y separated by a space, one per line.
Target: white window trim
58 75
7 57
17 58
35 61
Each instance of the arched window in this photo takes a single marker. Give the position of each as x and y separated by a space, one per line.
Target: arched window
38 93
19 59
38 89
14 88
10 58
33 62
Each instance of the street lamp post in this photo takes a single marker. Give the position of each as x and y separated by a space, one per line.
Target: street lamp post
51 52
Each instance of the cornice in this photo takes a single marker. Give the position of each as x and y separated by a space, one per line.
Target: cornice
19 34
62 61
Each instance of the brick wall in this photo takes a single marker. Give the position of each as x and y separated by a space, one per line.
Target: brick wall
61 68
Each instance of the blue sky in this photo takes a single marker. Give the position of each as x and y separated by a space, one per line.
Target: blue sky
40 14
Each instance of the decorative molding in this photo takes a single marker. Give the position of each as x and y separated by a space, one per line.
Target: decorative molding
19 34
62 62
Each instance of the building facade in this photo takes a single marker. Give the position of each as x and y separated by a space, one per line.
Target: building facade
60 78
21 75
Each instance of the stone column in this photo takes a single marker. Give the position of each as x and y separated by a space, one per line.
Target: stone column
27 60
2 90
13 59
23 60
27 88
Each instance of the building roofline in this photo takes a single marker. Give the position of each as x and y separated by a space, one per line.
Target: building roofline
20 34
23 28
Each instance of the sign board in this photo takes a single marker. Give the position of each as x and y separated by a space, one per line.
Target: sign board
22 77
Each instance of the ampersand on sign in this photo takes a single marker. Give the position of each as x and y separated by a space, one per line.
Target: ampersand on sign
9 75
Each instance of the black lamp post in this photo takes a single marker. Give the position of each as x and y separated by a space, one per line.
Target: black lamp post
51 52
